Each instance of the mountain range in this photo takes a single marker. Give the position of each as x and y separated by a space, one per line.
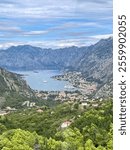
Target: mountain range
88 60
27 57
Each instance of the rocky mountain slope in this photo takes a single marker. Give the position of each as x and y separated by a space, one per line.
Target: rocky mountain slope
97 62
13 89
98 66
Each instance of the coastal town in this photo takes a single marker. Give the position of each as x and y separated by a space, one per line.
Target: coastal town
77 91
76 101
77 80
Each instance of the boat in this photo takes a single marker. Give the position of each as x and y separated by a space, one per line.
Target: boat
44 81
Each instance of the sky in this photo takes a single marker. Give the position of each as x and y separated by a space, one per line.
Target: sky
54 23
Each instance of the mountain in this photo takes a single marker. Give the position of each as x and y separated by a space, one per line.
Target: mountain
97 66
13 89
97 63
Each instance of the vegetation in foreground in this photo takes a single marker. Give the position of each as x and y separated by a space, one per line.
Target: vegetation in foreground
33 129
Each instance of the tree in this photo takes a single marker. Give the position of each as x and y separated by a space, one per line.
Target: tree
72 137
18 139
89 145
2 128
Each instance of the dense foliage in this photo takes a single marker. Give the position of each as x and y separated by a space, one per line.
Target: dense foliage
91 128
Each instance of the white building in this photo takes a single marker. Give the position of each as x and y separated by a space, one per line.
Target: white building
65 124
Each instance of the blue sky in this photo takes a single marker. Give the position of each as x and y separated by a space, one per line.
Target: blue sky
54 23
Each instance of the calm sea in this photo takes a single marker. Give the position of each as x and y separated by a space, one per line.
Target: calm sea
41 80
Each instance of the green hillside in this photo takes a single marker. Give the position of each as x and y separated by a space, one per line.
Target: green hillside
90 129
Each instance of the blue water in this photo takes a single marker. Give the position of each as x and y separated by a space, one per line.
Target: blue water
41 80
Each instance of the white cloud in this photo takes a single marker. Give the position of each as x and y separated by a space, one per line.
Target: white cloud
30 33
54 8
102 36
59 43
11 28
